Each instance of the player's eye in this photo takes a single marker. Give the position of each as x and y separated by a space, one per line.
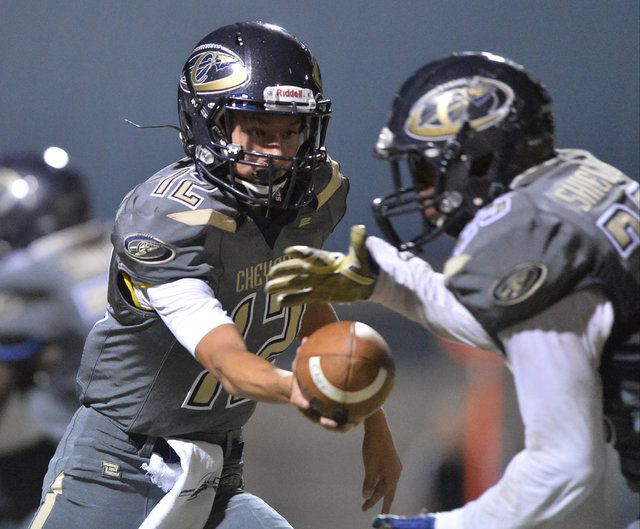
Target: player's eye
256 132
290 135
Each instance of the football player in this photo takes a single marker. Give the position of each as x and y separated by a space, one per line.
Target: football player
174 370
53 279
545 271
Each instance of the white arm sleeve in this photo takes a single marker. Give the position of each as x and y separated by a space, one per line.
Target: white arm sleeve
187 306
554 357
408 285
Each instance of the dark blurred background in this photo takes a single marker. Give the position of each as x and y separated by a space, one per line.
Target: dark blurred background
73 71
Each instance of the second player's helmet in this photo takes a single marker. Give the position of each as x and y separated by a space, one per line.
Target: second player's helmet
465 126
260 68
39 194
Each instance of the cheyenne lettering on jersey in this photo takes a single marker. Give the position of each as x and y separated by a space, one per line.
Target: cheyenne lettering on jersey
255 276
586 187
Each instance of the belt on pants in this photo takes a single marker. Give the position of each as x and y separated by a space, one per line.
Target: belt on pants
231 444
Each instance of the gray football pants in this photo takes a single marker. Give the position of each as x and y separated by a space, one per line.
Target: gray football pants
95 481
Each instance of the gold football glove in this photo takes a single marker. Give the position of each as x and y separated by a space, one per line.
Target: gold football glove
313 275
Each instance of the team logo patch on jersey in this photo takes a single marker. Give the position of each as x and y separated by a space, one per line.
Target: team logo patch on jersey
147 249
214 68
439 114
518 284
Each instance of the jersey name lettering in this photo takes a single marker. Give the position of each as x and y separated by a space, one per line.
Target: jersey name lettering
255 275
586 187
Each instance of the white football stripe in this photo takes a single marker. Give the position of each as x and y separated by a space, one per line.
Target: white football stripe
340 395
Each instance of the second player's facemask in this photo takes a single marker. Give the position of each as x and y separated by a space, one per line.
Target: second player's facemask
462 128
429 198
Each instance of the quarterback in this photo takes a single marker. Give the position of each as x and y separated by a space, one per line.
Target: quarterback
174 370
546 272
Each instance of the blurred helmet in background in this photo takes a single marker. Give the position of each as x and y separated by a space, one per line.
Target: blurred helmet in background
39 195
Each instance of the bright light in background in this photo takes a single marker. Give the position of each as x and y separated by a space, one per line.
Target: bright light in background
56 157
20 188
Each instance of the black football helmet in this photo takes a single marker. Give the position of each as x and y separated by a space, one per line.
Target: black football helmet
39 194
466 126
260 68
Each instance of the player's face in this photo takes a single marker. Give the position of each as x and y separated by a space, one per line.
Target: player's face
275 135
423 176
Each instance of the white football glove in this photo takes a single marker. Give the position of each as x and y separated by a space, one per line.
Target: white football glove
313 275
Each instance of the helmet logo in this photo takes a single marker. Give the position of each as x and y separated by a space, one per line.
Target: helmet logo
440 113
214 70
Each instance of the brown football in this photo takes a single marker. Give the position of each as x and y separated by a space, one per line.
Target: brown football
346 370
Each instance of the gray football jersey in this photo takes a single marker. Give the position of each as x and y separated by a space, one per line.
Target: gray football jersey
177 225
568 224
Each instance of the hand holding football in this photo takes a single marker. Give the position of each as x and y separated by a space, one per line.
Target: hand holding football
346 370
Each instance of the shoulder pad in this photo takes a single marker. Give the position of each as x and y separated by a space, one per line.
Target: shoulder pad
335 182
